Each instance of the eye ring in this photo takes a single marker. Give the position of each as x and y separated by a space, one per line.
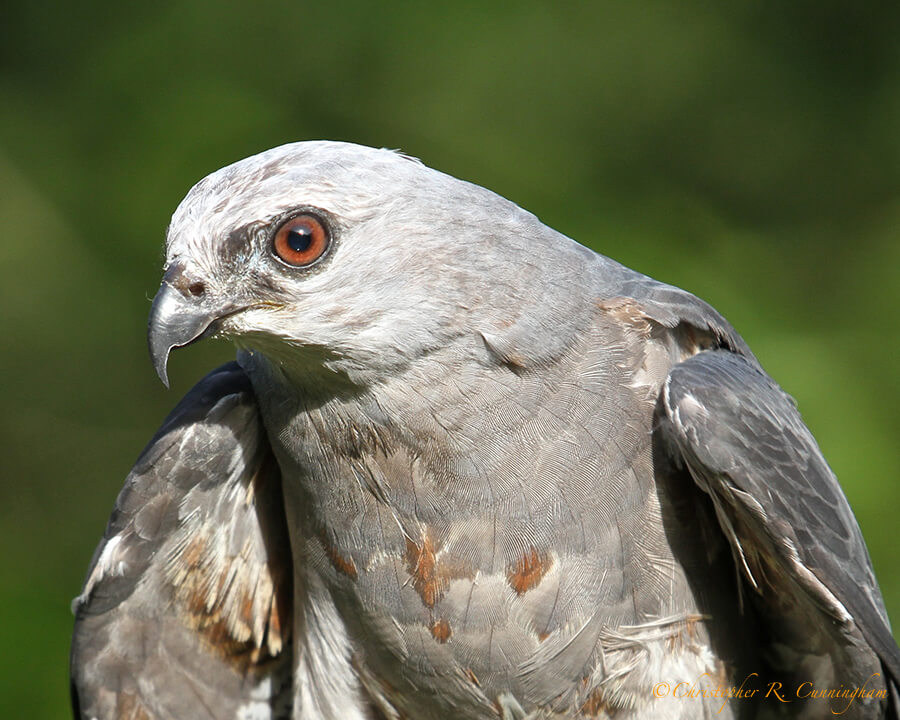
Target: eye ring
301 240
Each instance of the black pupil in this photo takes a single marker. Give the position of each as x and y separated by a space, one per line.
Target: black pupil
299 239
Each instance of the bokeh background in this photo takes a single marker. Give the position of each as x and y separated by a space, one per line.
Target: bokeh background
748 151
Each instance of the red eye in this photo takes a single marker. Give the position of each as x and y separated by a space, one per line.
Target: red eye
301 240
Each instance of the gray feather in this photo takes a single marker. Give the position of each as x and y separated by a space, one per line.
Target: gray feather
789 524
186 608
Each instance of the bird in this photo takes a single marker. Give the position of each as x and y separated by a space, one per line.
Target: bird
462 467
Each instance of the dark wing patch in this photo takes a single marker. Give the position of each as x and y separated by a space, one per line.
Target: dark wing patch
792 532
186 610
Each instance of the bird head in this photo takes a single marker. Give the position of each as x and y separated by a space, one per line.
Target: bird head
324 254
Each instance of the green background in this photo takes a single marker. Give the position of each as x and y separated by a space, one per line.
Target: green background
748 151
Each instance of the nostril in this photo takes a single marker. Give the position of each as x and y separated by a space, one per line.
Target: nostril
178 278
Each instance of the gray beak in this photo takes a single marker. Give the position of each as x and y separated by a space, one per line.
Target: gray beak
177 319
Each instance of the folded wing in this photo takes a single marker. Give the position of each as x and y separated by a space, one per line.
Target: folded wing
186 610
801 559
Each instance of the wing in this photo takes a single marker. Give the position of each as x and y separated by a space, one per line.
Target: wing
185 612
801 557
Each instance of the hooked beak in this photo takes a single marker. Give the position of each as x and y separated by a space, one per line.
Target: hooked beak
178 319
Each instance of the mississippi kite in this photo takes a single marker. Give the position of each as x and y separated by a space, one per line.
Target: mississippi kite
464 467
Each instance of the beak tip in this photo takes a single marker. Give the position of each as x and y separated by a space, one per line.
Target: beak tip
159 355
163 375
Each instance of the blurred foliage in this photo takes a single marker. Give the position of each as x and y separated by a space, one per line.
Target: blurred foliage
747 151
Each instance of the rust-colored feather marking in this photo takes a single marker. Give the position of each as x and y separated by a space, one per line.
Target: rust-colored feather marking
420 562
685 634
193 553
242 611
626 311
596 706
341 563
529 570
129 707
210 620
431 575
441 631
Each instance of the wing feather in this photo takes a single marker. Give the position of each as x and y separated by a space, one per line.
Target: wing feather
186 608
791 529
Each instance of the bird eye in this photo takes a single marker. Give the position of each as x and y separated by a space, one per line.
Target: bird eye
301 240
